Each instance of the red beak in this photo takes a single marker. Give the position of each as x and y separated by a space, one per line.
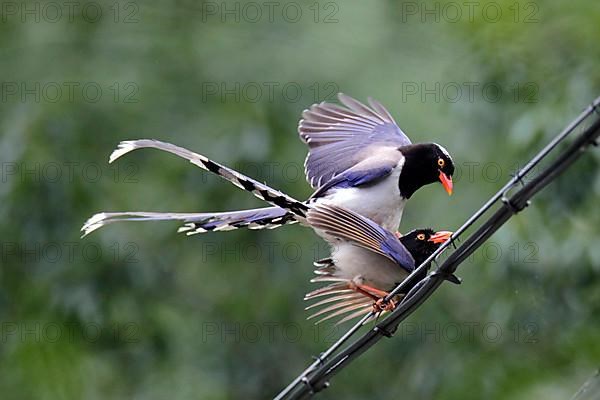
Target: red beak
440 237
446 182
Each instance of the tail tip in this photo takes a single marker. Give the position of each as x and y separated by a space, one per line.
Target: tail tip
123 148
93 223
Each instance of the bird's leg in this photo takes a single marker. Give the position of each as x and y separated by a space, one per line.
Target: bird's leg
361 290
384 305
368 291
378 295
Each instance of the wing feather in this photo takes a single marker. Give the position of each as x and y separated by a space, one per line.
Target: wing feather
345 224
348 131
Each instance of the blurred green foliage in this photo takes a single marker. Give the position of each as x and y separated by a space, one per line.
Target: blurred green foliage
138 311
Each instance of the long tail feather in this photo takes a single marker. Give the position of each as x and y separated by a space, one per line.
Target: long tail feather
332 288
287 209
104 218
260 190
334 298
356 314
345 310
339 298
341 304
261 218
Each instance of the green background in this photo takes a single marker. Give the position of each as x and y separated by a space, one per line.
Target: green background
139 311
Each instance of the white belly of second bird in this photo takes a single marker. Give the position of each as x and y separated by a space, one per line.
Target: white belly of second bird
365 267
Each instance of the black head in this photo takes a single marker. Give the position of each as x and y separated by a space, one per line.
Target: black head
425 163
421 243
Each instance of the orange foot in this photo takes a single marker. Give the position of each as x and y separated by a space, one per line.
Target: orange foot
382 305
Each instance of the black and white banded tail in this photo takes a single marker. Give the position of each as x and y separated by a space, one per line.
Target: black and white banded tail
259 218
286 210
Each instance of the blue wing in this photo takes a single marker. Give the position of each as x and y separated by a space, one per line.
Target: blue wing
355 178
363 232
339 137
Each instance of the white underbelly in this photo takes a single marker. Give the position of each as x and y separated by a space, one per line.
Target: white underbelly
372 269
381 203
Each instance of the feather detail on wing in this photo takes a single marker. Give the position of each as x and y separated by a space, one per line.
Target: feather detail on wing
339 137
367 172
348 225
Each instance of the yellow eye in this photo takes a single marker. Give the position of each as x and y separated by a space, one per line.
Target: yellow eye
421 236
441 162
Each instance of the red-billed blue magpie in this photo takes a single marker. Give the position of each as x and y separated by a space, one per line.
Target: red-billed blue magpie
358 158
367 261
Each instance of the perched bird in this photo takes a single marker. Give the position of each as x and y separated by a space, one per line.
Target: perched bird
358 158
366 263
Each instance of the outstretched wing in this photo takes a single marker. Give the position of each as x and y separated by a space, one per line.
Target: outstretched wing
345 224
340 137
366 172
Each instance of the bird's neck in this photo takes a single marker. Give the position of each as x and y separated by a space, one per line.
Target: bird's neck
414 171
